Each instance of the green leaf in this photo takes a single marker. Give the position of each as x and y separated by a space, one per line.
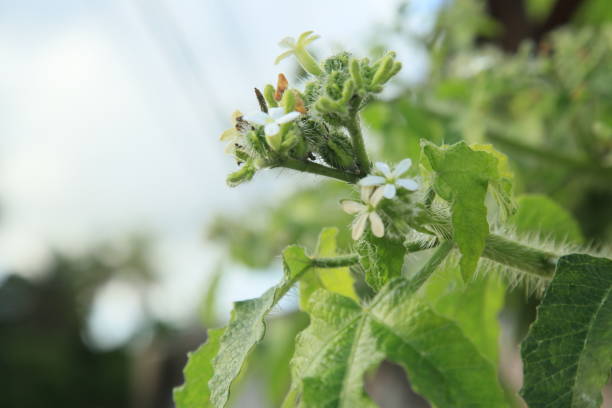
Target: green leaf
338 280
462 177
502 186
346 340
198 371
247 327
382 259
473 306
567 354
538 214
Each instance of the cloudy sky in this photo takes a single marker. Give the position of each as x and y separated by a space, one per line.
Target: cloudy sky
110 112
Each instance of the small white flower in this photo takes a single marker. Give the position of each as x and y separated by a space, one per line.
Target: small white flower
272 120
366 210
390 179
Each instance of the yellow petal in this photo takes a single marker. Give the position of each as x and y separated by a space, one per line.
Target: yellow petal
229 134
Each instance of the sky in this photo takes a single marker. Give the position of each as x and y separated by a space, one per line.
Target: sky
110 112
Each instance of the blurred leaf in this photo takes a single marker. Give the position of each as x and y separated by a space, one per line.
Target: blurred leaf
567 354
256 239
198 371
480 300
208 311
538 214
273 355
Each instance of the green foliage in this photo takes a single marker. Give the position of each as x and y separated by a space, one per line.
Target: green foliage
567 353
461 178
345 340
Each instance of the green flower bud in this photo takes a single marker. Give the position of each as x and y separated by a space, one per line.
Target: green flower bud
289 141
274 141
288 101
269 95
326 105
382 73
355 71
243 174
347 91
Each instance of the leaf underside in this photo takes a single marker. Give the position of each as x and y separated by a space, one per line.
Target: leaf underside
567 354
231 348
198 371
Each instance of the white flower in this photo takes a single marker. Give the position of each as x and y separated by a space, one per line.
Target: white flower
366 210
390 179
272 120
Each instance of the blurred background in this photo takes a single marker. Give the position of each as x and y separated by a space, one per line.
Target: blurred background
120 242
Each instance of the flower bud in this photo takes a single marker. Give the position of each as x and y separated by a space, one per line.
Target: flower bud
269 95
243 174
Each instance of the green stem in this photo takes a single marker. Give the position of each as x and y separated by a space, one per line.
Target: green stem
336 261
316 168
333 262
432 264
354 129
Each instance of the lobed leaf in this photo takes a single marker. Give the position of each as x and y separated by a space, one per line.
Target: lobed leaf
567 353
346 340
462 177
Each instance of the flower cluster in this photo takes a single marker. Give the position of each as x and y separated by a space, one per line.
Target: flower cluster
314 129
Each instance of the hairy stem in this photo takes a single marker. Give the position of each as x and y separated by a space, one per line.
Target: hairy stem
520 256
432 264
336 261
333 262
316 168
354 129
507 252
